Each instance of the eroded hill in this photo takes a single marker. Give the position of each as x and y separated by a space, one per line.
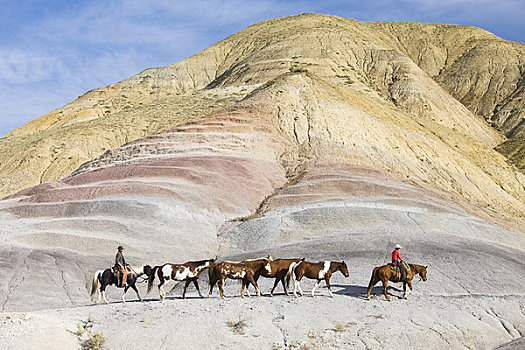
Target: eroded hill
389 59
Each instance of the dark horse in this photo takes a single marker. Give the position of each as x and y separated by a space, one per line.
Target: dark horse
107 277
385 273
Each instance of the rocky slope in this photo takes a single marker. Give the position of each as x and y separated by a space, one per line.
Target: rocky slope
324 158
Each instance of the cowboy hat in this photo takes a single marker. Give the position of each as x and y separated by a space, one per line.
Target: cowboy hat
398 246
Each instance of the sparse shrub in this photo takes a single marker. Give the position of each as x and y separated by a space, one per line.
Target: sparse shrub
238 326
295 69
80 330
247 218
339 328
88 339
94 341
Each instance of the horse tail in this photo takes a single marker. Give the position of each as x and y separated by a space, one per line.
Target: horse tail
94 283
152 278
290 274
373 278
212 274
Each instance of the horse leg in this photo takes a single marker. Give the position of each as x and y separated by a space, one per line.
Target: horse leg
370 287
385 283
197 287
212 281
247 288
220 282
124 294
161 290
185 286
103 292
275 285
136 291
254 283
327 280
242 289
409 282
297 285
315 286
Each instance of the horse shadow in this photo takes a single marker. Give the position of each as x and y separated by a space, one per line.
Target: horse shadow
359 292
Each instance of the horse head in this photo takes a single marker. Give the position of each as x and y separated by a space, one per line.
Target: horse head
147 270
344 269
423 273
267 265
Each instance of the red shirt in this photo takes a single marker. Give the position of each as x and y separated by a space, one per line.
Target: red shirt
396 255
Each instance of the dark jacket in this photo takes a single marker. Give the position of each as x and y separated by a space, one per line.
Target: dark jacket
120 261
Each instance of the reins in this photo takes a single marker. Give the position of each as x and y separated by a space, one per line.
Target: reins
144 279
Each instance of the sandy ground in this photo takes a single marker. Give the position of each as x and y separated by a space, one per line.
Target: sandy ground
425 321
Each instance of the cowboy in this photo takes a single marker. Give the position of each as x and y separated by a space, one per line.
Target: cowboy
120 266
398 261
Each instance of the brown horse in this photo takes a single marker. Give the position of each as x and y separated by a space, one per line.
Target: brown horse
318 271
385 273
278 269
188 272
239 270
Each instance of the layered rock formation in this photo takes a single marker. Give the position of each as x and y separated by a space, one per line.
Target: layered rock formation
345 143
376 56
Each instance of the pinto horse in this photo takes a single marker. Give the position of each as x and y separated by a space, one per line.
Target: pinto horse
107 277
278 269
319 271
240 270
385 273
188 272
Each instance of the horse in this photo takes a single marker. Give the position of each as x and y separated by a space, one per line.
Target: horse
107 277
385 273
189 272
319 271
278 269
240 270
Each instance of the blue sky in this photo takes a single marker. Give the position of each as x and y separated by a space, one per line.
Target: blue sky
53 51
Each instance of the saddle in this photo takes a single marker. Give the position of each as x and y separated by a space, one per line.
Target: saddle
397 270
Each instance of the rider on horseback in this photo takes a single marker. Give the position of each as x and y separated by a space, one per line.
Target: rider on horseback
398 261
120 267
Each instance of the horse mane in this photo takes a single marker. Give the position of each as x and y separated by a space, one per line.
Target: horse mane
200 262
416 267
268 257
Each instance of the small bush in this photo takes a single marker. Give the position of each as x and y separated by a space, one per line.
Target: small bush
238 326
339 328
295 69
88 339
94 341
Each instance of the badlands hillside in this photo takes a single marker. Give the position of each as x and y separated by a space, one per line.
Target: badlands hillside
308 136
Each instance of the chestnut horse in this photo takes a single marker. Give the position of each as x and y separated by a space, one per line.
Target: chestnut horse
278 269
239 270
188 272
318 271
385 273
